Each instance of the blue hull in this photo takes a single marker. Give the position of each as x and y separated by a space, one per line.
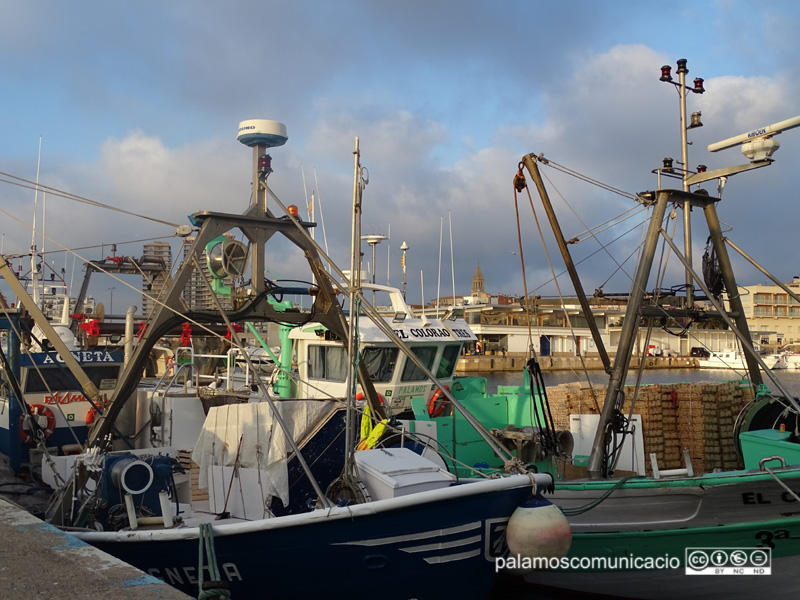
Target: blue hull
434 545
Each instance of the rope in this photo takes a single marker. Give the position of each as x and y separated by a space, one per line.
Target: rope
215 587
593 234
32 185
518 185
579 510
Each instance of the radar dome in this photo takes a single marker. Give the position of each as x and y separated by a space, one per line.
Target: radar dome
260 132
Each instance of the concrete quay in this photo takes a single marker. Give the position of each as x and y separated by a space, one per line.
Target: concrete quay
496 362
38 560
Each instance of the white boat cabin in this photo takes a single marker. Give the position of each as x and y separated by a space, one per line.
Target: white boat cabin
438 343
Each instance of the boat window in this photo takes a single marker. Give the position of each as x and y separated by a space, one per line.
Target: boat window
411 372
327 362
59 378
447 363
380 363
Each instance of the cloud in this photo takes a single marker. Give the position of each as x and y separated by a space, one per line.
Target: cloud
143 116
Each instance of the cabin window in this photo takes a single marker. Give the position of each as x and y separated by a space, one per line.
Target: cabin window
327 362
380 363
412 372
447 363
59 378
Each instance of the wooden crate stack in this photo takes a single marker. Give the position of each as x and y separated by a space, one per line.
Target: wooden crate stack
185 458
696 416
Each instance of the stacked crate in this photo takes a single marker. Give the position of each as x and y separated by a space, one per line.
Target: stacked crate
697 416
564 399
191 467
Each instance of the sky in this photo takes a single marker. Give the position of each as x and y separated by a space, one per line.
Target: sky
137 107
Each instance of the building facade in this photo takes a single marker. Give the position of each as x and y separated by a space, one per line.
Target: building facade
773 313
155 252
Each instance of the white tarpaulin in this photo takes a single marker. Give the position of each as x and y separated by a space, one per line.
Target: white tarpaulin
249 432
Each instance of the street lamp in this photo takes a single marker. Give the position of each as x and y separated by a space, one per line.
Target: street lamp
682 90
404 248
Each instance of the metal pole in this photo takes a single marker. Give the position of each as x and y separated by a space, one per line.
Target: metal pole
89 388
530 163
629 327
353 292
734 297
747 344
373 262
258 203
404 247
775 280
687 208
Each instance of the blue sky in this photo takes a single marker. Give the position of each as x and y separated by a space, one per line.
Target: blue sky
138 104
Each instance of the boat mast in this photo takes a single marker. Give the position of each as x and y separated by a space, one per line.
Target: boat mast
354 290
630 326
682 90
34 267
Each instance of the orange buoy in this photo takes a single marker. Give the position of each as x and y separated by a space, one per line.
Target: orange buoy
38 410
438 403
360 396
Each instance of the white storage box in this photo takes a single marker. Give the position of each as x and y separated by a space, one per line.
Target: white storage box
392 472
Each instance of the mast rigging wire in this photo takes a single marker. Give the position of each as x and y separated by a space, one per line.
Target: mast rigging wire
32 185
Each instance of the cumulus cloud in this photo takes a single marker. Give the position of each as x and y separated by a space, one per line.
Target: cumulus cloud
445 104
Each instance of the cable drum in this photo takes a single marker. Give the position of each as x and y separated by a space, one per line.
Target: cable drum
712 274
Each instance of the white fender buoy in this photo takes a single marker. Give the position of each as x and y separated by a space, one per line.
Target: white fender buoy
538 528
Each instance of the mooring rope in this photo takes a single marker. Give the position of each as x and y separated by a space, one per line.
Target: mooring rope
215 587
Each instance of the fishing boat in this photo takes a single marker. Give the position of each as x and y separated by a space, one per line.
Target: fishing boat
55 412
727 359
224 507
437 343
724 466
790 356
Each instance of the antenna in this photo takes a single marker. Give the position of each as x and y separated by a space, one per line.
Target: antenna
439 274
309 205
424 317
452 259
388 254
757 144
260 134
34 278
321 215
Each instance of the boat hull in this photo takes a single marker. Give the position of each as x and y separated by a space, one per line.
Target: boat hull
443 544
660 504
661 519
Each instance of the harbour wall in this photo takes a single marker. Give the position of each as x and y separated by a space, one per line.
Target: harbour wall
496 362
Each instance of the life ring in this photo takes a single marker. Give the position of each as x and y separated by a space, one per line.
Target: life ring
360 396
37 410
91 416
438 403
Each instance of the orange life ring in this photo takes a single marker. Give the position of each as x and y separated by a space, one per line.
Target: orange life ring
48 429
438 403
91 416
360 397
